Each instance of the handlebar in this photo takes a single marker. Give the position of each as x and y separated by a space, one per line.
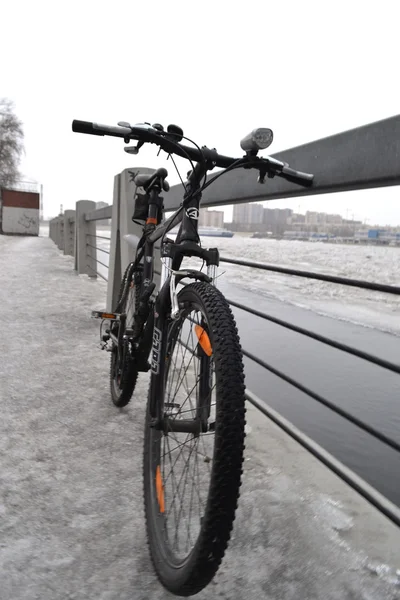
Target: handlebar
147 134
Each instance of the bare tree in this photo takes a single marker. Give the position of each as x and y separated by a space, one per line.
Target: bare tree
11 143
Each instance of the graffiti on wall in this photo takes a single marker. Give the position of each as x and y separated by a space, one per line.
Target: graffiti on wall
27 222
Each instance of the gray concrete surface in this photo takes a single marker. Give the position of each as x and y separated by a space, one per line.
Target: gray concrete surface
71 516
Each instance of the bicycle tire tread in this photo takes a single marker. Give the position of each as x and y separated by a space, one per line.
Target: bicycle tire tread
229 446
125 396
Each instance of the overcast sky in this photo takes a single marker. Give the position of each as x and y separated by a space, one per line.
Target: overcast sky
218 69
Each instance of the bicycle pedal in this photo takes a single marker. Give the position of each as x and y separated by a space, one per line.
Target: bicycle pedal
99 314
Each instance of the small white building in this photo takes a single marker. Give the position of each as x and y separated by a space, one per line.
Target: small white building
19 212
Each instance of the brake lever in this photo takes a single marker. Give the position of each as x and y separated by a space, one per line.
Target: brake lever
269 167
134 149
263 171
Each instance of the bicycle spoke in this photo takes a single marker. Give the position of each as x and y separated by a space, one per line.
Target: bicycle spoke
178 486
181 502
183 362
184 474
172 479
188 392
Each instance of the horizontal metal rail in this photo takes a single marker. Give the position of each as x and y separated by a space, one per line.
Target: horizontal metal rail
100 263
97 273
368 285
97 248
101 237
320 338
352 479
340 411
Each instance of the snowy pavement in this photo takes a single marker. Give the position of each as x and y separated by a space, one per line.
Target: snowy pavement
71 515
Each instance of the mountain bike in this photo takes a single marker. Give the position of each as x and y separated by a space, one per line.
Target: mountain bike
188 340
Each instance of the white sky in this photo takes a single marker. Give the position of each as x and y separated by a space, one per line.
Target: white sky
307 69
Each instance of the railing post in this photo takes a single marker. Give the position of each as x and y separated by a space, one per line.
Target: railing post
56 231
69 240
122 253
60 243
114 264
85 258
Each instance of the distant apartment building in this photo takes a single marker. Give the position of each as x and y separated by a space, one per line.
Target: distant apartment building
276 219
296 218
211 218
248 214
320 218
334 219
312 218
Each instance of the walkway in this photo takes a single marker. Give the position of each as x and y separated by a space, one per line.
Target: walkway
72 525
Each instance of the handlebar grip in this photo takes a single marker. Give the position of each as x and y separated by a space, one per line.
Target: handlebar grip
85 127
297 176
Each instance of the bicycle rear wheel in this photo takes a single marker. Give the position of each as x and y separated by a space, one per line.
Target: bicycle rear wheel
123 374
192 480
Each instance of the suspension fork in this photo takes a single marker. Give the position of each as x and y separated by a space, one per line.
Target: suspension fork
158 351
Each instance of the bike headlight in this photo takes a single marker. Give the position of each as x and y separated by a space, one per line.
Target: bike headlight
258 139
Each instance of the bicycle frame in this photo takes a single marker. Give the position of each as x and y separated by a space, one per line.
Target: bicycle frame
189 218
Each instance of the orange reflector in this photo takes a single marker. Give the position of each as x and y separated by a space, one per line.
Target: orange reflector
204 340
160 489
151 220
108 316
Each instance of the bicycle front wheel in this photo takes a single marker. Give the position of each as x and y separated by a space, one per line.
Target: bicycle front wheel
192 480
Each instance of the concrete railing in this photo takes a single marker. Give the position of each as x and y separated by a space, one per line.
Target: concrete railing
352 160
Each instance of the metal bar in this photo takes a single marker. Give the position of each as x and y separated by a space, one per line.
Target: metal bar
99 261
97 248
367 285
371 430
361 158
357 483
101 237
320 338
97 273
